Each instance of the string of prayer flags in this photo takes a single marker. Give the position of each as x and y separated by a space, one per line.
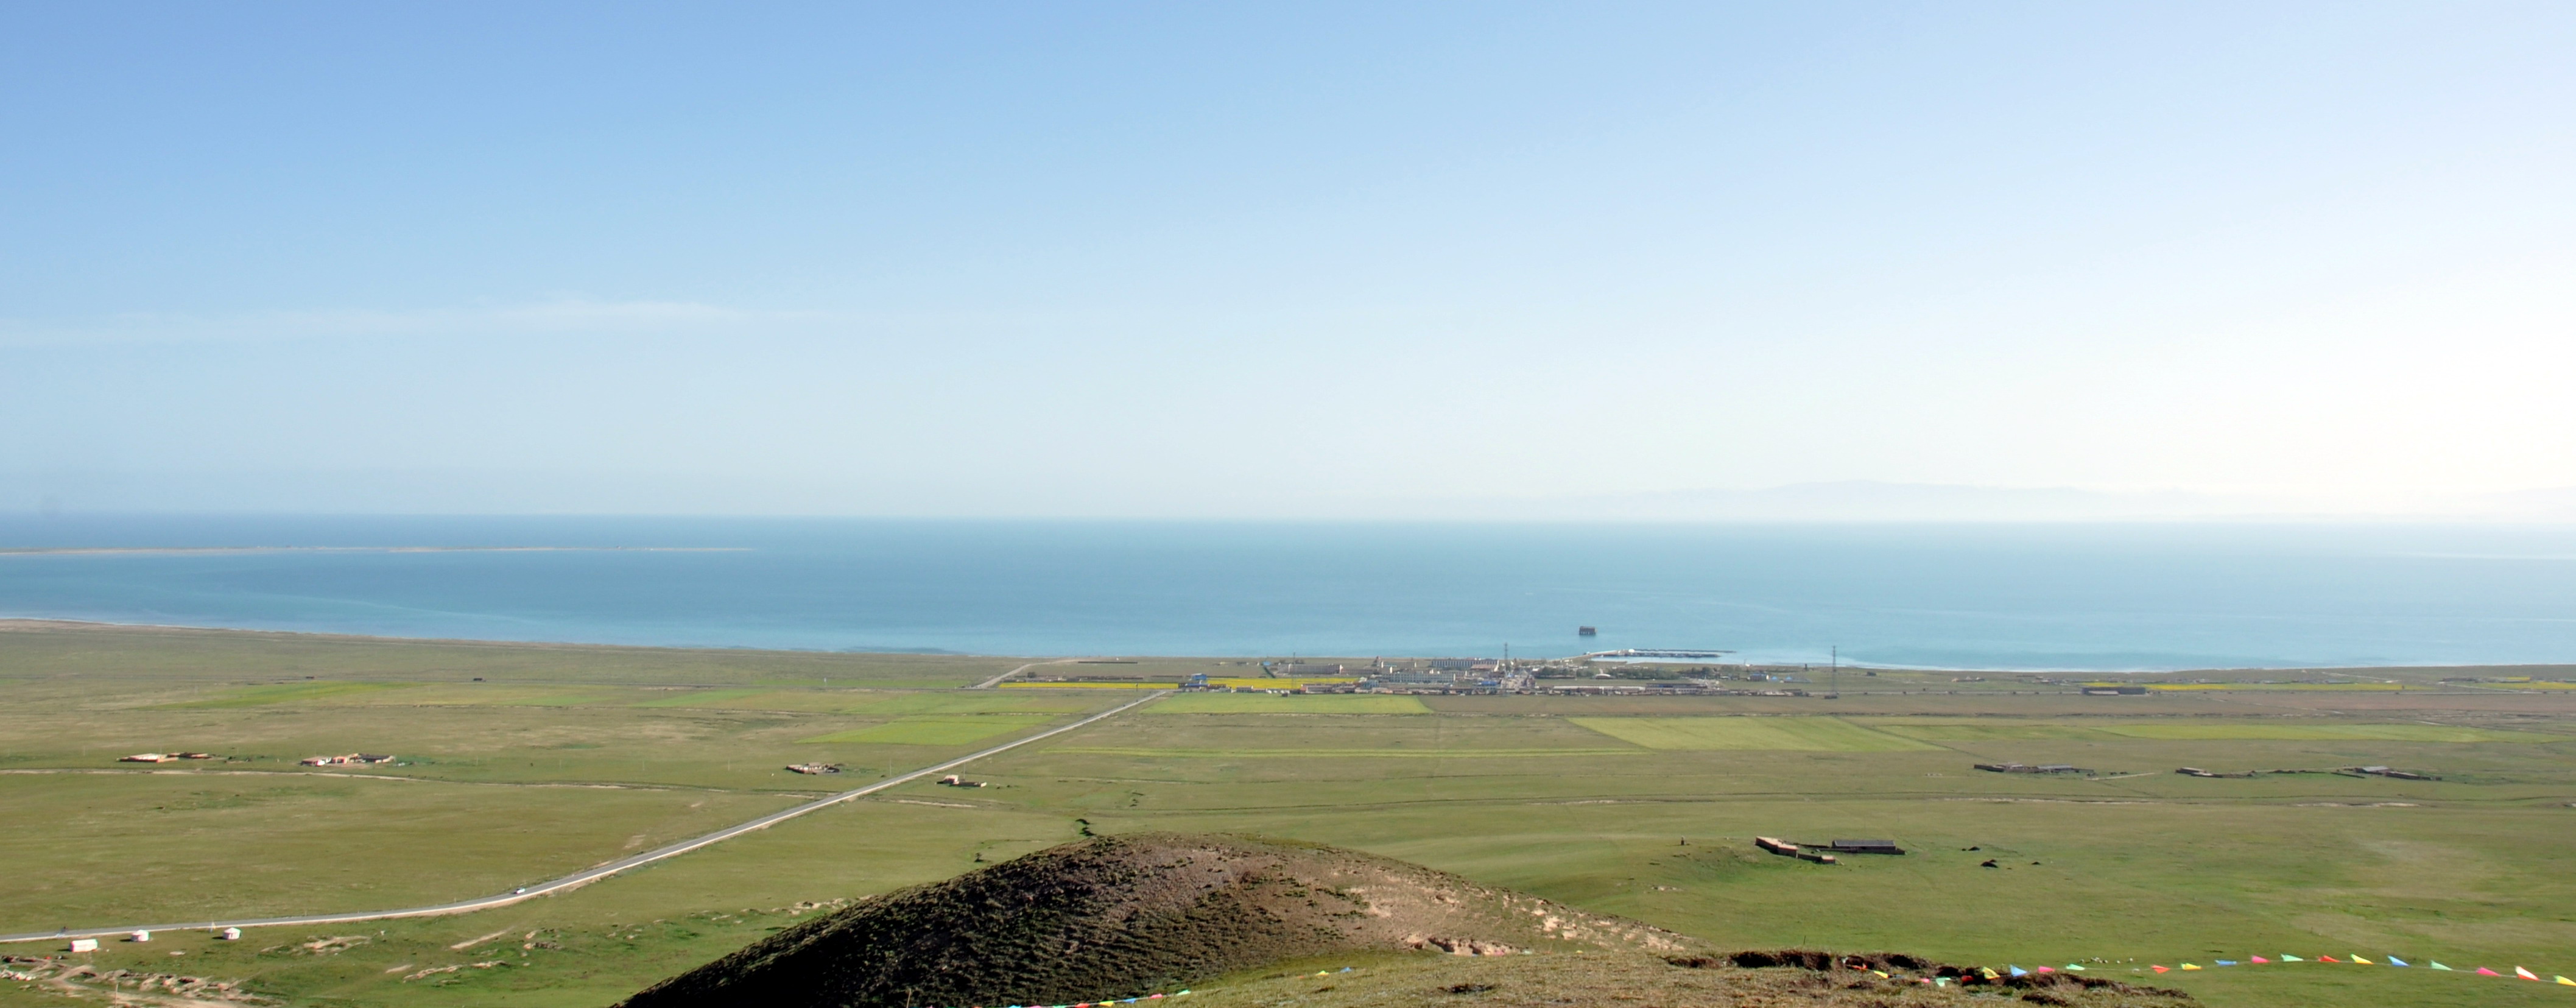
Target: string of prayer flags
1988 974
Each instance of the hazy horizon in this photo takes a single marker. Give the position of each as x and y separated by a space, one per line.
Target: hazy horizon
1638 262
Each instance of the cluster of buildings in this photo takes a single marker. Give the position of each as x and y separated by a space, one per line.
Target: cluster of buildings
2044 768
2350 771
163 757
1824 853
1489 675
347 759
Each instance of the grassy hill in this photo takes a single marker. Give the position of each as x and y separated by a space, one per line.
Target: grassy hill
1121 916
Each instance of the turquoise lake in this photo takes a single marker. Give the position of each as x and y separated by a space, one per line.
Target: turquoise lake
2097 597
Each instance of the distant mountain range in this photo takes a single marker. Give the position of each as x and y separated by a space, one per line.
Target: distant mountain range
468 491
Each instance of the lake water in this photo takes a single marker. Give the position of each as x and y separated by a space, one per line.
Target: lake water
2105 597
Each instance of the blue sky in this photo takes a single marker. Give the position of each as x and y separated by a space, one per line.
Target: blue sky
1304 260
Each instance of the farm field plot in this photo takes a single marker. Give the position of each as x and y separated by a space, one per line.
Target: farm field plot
1810 734
1262 703
1947 731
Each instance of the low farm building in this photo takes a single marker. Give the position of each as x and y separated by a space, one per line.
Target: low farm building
2027 768
1786 849
348 759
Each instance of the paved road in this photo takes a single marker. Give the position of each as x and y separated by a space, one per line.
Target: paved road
580 878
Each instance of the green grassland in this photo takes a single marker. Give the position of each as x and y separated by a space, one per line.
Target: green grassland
2376 732
1263 703
1630 805
936 730
1788 734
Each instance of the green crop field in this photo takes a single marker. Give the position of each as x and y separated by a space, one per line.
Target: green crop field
1807 734
1263 703
1643 806
1961 732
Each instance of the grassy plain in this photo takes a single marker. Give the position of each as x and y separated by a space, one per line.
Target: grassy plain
1263 703
1784 734
565 757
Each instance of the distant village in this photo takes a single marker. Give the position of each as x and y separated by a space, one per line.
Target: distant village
1633 671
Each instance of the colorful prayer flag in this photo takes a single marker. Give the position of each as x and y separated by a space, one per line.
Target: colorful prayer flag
2524 973
2363 961
2394 961
2077 967
2437 964
2330 959
2259 960
2160 969
2018 971
2227 962
2483 971
2568 982
2292 959
2190 966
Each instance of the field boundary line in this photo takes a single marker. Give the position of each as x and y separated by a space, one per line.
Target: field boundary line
589 875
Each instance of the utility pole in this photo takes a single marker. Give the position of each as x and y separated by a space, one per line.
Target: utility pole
1838 671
